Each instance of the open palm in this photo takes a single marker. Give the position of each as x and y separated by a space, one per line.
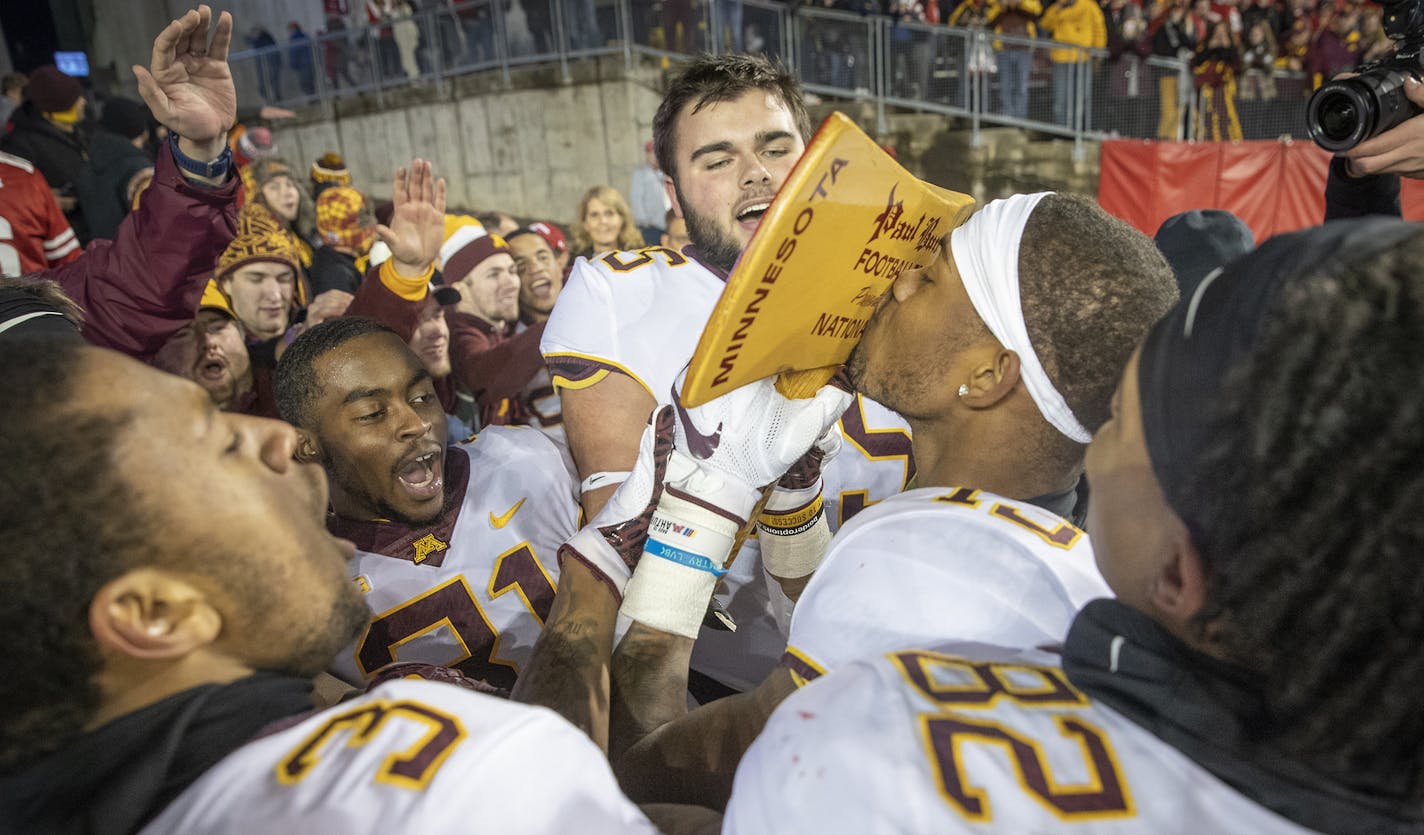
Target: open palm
188 85
417 226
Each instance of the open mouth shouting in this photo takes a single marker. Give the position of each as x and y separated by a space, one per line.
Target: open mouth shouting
212 368
749 213
421 474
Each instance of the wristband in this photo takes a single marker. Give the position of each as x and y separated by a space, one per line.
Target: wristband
791 521
211 170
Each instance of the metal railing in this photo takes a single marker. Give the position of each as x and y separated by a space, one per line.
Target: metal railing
986 78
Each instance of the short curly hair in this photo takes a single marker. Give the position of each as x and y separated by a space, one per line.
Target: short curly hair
70 526
1091 286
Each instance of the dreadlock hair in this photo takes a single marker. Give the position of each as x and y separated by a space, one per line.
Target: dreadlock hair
711 79
1090 286
296 385
70 527
1313 487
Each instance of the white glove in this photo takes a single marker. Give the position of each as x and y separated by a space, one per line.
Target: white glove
726 450
611 544
731 447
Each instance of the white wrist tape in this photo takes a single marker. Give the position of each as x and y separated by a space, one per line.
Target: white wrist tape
783 500
795 555
685 554
794 533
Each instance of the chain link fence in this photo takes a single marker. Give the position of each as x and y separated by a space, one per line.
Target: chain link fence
985 77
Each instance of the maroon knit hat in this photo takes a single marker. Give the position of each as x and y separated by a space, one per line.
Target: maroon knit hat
51 90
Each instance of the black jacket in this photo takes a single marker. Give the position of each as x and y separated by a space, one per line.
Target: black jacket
59 156
333 270
102 185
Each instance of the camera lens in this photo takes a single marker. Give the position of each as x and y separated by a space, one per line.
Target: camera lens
1338 118
1342 114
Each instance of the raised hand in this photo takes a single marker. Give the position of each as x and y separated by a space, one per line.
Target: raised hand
188 84
418 220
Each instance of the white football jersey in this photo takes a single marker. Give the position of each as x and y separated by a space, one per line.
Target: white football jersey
470 590
971 738
641 314
411 756
939 564
541 403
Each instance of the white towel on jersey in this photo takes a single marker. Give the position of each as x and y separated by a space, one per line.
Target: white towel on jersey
937 564
411 756
471 590
916 742
641 314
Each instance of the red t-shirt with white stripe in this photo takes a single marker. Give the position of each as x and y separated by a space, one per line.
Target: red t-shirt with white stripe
33 232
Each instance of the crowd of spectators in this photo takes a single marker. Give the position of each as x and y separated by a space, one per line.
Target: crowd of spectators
258 563
1306 40
1234 48
293 243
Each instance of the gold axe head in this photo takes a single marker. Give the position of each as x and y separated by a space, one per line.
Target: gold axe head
844 224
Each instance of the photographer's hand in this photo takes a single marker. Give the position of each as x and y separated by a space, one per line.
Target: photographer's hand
1399 150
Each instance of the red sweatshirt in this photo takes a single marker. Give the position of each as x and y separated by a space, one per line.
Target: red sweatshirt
143 286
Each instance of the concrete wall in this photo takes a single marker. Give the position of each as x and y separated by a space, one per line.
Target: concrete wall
528 151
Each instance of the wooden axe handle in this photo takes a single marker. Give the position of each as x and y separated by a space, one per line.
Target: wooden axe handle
799 385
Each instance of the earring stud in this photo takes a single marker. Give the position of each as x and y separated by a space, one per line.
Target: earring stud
963 389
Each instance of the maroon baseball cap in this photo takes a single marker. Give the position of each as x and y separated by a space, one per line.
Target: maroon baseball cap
551 235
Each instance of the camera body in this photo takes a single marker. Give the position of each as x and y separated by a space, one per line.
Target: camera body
1345 112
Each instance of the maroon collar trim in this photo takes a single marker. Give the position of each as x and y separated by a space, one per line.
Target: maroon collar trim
426 545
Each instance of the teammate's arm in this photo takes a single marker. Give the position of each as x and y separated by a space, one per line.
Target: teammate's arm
712 489
694 758
604 423
568 671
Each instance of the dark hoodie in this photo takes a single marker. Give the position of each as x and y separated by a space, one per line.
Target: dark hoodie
59 156
102 186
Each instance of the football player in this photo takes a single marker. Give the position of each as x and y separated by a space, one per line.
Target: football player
171 588
456 542
728 132
1255 510
188 593
1000 351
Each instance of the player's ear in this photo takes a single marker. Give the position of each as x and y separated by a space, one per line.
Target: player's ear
992 380
1179 589
672 195
153 615
308 448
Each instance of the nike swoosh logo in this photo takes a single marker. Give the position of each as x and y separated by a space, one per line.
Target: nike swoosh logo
498 522
700 445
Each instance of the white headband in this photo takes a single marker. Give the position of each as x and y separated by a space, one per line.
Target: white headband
986 251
